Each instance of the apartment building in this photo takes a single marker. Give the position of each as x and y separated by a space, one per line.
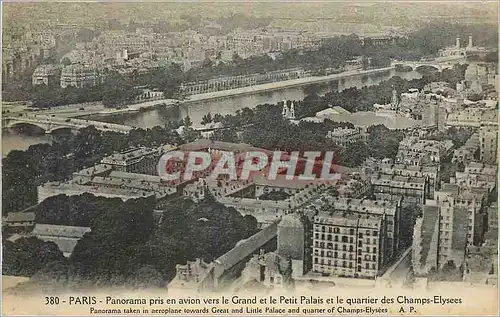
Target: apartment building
413 150
395 187
348 245
488 138
388 212
465 153
45 75
477 175
440 235
471 202
430 173
80 76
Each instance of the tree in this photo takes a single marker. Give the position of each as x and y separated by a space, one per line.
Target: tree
189 134
19 190
66 61
85 35
88 142
28 255
53 271
225 135
236 58
117 91
460 166
355 154
168 80
207 63
206 119
187 122
408 217
218 118
475 97
383 142
110 249
146 277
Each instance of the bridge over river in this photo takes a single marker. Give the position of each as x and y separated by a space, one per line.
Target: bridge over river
52 123
439 63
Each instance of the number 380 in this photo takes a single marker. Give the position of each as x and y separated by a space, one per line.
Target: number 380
52 300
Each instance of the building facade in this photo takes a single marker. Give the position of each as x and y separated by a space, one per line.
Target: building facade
488 138
138 160
80 76
45 75
348 245
345 136
295 241
440 236
394 187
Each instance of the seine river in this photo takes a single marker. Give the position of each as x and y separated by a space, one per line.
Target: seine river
12 140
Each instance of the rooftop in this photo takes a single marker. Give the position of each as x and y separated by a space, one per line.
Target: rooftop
59 231
339 132
398 181
94 170
430 217
204 144
459 233
74 188
328 202
246 247
135 176
131 183
280 181
480 168
291 220
20 216
77 68
332 111
48 69
403 168
348 219
365 119
129 155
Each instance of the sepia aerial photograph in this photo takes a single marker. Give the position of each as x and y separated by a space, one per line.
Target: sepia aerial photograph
252 158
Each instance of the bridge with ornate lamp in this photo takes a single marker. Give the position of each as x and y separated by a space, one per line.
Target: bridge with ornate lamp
439 63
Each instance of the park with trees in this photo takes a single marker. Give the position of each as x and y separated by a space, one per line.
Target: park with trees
127 245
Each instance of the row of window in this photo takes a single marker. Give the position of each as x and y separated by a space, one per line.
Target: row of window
381 188
344 265
343 239
344 256
344 248
337 230
321 245
329 237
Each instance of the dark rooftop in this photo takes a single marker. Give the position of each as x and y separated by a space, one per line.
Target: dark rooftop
460 223
247 247
430 216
